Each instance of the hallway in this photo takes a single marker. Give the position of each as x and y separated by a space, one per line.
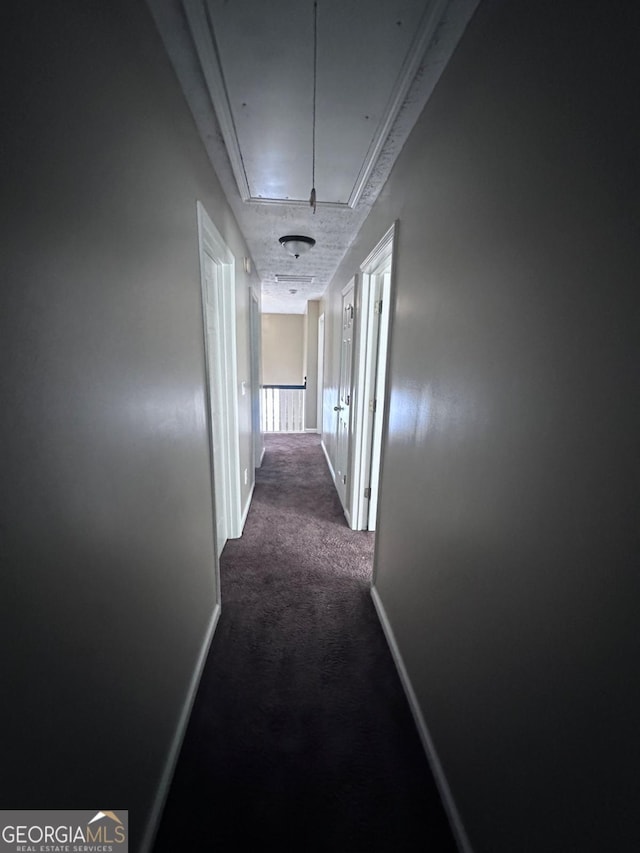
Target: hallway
507 538
300 734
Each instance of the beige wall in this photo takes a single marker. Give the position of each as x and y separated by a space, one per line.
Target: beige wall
283 353
507 546
107 581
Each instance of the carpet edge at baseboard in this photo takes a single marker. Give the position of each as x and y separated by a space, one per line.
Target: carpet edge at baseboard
326 456
162 792
455 821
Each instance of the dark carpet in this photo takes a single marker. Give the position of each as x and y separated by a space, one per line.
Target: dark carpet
300 737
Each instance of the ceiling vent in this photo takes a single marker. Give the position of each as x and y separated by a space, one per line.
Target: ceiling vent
301 279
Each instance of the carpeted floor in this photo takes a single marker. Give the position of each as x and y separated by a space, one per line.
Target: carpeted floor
300 736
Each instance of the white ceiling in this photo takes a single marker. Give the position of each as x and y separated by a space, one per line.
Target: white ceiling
247 70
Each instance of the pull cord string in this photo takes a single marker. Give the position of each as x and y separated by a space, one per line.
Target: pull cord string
312 199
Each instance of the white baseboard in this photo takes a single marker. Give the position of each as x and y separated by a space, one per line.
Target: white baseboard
311 429
247 508
153 823
462 839
326 456
264 450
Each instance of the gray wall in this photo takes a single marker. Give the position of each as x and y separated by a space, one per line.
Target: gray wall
106 552
508 543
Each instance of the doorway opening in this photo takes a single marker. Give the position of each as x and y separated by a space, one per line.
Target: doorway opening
370 381
355 426
217 276
256 360
343 425
320 381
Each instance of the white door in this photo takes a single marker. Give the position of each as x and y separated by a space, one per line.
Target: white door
217 275
343 407
382 299
213 320
367 420
320 386
254 318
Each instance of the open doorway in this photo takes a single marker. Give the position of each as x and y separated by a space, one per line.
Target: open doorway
370 380
320 382
343 407
353 442
256 360
217 275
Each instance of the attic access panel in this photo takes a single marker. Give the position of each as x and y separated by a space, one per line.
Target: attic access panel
257 59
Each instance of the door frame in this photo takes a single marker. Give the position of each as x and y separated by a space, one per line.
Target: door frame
255 344
320 381
342 476
211 243
371 357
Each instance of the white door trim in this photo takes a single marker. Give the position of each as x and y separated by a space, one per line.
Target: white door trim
344 422
256 372
211 244
320 383
372 330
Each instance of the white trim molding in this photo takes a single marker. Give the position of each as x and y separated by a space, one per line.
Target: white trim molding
162 792
326 456
426 30
381 254
373 321
451 809
205 44
212 244
247 507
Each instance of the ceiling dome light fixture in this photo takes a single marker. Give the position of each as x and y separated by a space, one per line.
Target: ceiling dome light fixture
296 244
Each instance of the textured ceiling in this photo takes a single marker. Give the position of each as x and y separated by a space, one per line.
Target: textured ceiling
246 68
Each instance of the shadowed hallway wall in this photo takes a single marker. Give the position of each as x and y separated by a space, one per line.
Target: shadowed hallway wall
508 538
107 581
